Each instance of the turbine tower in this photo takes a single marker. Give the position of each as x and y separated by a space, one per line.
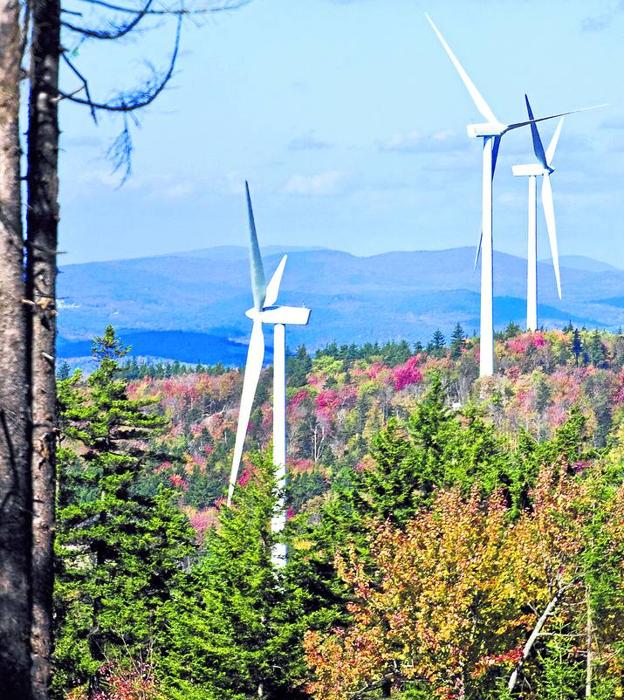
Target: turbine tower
491 132
543 168
264 310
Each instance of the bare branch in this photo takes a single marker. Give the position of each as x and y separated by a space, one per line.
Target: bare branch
224 7
85 85
115 32
120 152
131 101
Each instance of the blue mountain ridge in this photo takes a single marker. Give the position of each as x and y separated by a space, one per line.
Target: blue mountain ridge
190 306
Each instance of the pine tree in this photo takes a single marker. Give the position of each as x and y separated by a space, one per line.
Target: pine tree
458 340
298 367
577 345
437 345
64 371
236 631
120 544
596 350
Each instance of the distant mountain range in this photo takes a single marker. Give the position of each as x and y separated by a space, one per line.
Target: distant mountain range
190 306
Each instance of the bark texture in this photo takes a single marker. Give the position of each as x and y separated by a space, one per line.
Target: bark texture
42 224
15 479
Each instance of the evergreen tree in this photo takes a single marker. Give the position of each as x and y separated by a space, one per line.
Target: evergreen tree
437 345
512 330
298 366
577 346
596 350
236 632
120 544
458 340
64 371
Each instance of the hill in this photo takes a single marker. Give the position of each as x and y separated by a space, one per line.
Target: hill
199 298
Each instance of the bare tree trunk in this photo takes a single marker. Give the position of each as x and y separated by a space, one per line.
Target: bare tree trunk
42 223
15 486
590 661
548 610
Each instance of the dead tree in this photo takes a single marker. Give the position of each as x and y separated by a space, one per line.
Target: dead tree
15 486
48 19
42 217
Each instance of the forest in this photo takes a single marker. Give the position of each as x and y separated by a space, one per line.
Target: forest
448 537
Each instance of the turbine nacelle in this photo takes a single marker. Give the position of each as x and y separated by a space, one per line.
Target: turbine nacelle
287 315
476 131
528 169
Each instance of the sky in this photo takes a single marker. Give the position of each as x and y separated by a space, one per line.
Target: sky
348 120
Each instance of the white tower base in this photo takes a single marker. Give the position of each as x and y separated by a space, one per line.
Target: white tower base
278 521
486 362
532 257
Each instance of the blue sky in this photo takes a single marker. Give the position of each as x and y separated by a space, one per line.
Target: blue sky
349 121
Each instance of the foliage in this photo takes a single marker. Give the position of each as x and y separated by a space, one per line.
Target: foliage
120 545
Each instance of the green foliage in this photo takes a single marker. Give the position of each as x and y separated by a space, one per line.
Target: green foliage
458 340
119 549
437 345
238 625
298 367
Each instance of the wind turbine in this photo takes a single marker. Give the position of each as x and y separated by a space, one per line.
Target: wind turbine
533 170
264 310
491 132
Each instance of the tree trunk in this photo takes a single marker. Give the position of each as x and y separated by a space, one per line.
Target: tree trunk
548 610
42 223
588 635
15 485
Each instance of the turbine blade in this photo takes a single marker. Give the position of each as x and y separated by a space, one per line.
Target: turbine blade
258 284
273 286
253 367
552 146
477 98
478 252
517 125
538 146
551 227
495 147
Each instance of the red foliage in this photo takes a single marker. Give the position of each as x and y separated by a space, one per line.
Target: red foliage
521 343
134 683
407 374
178 482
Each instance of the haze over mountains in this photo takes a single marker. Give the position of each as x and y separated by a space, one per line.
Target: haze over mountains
190 306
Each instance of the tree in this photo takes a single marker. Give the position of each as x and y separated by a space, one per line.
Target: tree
511 330
298 367
41 241
437 345
577 345
33 339
596 350
15 472
225 633
458 340
413 624
121 543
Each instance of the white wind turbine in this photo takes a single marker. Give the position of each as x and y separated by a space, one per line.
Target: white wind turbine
534 170
264 310
491 132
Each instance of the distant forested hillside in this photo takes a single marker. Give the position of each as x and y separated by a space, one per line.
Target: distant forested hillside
160 304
